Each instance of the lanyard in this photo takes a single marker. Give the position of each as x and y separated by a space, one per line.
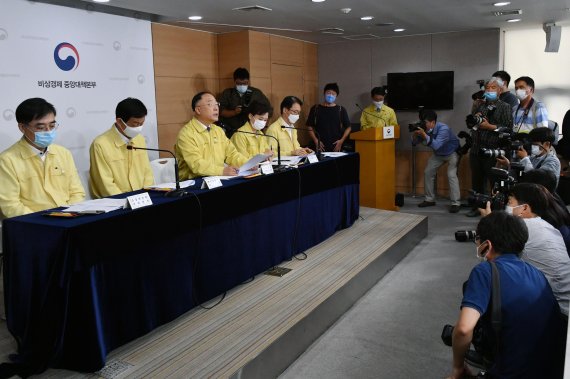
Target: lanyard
524 115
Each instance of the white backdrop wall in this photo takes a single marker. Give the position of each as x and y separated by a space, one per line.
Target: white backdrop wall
524 56
113 60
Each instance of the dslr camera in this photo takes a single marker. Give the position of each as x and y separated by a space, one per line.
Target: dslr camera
507 147
465 235
417 126
499 198
473 121
464 149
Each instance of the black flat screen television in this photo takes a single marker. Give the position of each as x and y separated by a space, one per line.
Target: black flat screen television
409 91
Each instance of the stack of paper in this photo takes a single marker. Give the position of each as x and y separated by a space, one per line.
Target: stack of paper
97 206
171 185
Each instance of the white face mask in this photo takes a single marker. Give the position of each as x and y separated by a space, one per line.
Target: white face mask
293 118
130 131
521 94
241 88
482 258
509 209
258 124
378 104
535 151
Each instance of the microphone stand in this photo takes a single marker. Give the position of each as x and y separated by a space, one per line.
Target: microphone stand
318 152
278 168
178 192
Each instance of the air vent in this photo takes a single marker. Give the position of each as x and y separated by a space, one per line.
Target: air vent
508 13
358 37
332 31
251 8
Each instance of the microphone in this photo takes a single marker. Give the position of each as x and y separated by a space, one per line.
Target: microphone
371 114
317 150
265 135
178 192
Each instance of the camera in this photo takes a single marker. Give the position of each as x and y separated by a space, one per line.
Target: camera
246 99
473 120
499 198
479 94
417 126
464 149
465 235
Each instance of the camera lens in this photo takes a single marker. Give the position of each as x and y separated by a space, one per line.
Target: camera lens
465 235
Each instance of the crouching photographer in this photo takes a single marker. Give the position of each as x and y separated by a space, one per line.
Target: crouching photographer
541 155
523 336
444 144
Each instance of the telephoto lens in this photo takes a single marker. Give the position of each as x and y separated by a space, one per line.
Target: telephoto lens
465 235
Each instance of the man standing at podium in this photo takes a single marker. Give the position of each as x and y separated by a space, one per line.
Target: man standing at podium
378 114
444 143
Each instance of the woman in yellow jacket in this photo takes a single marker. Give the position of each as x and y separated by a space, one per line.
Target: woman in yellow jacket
249 140
284 128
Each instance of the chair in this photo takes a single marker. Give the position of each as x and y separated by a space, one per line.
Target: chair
163 170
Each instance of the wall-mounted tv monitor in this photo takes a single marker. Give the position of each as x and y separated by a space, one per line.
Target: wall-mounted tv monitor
409 91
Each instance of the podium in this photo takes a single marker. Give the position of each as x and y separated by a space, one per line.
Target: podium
377 149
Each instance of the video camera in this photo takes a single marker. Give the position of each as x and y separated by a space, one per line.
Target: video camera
417 126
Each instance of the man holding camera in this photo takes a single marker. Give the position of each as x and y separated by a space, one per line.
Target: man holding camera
542 156
234 101
444 143
487 119
531 340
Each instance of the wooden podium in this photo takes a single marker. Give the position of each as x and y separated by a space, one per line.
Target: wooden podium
377 166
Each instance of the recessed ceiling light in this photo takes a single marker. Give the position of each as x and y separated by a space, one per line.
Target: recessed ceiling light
101 1
513 20
195 18
399 30
366 18
318 1
502 3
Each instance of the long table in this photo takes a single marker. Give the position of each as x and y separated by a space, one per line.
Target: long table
75 289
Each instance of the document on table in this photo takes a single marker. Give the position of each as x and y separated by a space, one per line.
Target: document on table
250 167
334 154
171 185
97 206
288 160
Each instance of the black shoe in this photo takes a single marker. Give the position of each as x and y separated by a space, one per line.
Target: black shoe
473 213
454 208
424 204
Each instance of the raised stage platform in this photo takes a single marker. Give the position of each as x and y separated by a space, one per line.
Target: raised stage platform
262 326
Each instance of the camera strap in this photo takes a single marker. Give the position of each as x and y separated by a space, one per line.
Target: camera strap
525 114
496 313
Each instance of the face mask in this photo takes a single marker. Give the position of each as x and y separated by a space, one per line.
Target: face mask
521 94
130 131
259 124
241 88
491 96
44 139
330 98
535 150
378 104
509 209
293 118
478 254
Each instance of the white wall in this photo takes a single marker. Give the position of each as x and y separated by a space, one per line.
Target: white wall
524 56
114 52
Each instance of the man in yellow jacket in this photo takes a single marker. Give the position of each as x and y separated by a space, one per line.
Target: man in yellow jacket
114 168
284 128
34 173
202 148
378 114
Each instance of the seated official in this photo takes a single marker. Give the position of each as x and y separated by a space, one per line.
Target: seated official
545 248
36 174
202 148
284 128
115 169
532 330
249 140
542 155
378 114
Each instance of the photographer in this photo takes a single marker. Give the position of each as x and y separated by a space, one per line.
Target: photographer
444 143
485 121
531 341
542 155
234 101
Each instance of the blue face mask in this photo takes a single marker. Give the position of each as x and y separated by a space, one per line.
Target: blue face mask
491 96
330 98
44 139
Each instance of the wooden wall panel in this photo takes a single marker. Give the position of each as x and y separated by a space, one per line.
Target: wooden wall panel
174 97
233 52
259 55
310 98
310 62
167 134
286 51
285 81
181 52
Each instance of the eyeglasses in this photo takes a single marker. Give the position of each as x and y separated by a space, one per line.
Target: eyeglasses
294 111
210 105
44 127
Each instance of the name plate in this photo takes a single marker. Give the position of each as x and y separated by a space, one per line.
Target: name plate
388 132
267 169
211 182
139 201
312 158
